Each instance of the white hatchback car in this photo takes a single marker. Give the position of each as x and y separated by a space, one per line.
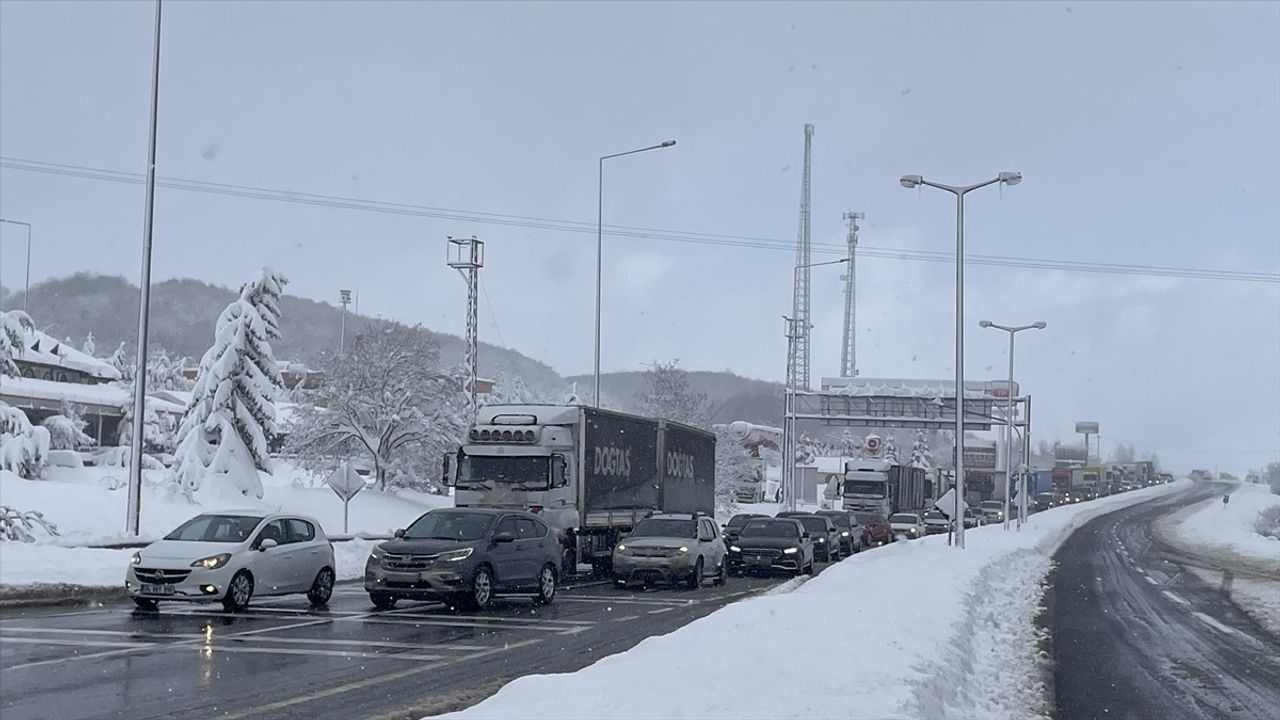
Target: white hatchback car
231 557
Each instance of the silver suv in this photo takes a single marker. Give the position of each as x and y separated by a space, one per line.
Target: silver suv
671 548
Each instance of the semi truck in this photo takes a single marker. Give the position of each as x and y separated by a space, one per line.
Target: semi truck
873 485
592 474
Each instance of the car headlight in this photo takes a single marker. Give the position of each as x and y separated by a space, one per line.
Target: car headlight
844 533
791 551
734 548
136 559
213 562
684 549
455 555
375 555
822 540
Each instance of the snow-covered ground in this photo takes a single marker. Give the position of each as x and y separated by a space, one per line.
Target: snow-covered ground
914 629
1230 528
88 511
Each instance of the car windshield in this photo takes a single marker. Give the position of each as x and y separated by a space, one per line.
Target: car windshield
450 525
935 515
991 505
841 521
866 519
814 524
738 521
904 518
666 527
216 528
770 528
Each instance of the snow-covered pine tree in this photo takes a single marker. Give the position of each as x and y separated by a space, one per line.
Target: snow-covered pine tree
23 448
890 450
13 326
228 427
119 361
66 429
669 395
920 455
89 347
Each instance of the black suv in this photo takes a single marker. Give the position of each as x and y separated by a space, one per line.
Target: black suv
465 556
850 531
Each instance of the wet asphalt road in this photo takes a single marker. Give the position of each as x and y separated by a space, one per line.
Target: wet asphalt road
280 659
1135 634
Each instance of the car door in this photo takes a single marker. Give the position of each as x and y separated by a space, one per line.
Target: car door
310 555
270 566
504 556
528 552
710 547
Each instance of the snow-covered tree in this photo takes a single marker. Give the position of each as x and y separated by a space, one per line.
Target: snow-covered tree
734 467
165 373
385 400
120 361
66 433
1124 453
669 395
921 456
889 451
89 347
227 428
158 429
512 390
23 448
850 444
13 326
17 526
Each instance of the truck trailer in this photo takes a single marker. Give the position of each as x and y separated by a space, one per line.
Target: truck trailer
872 485
592 474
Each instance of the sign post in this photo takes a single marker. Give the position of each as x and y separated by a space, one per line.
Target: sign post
345 483
952 507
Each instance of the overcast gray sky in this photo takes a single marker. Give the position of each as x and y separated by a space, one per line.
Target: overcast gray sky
1147 133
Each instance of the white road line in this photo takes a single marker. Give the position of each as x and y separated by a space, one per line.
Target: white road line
1177 598
1217 625
83 642
659 610
216 647
89 656
1151 580
624 601
496 619
627 618
257 639
444 622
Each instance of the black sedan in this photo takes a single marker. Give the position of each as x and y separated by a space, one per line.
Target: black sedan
734 526
768 544
850 531
823 532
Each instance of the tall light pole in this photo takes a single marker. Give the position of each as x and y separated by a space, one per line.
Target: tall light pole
600 243
144 304
789 486
912 181
1013 330
344 297
26 294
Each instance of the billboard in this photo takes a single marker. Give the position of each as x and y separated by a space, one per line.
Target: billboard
1086 428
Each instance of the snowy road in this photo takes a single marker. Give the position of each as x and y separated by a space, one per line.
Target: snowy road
1136 634
280 660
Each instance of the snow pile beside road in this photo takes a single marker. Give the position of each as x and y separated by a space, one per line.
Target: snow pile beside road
1230 528
915 629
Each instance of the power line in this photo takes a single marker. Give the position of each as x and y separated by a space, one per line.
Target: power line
492 315
688 237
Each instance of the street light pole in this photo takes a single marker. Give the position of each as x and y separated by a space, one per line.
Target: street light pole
26 293
344 297
1008 428
144 304
600 244
789 484
912 181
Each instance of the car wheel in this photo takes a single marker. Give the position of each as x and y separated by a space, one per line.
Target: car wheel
238 592
546 585
481 588
146 604
321 588
723 577
382 601
695 580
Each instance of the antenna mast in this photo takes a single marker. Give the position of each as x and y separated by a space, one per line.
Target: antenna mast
848 359
799 378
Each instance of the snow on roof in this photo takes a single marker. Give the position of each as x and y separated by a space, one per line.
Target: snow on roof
43 349
827 465
910 387
28 392
177 397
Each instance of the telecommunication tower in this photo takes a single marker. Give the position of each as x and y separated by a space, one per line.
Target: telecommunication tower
848 360
799 378
466 255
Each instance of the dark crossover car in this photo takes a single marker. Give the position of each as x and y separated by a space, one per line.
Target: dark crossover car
671 548
767 544
935 522
731 528
825 536
875 529
465 556
850 531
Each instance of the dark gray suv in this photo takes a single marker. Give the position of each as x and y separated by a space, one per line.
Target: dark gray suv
465 556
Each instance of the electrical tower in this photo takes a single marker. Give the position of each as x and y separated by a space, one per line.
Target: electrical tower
466 255
799 377
848 359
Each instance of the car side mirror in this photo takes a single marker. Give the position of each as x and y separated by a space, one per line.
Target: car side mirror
267 544
399 533
504 537
804 536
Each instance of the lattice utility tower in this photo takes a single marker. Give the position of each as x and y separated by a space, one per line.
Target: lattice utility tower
466 255
799 378
848 359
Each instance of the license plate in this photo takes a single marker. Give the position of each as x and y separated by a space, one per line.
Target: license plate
758 560
156 589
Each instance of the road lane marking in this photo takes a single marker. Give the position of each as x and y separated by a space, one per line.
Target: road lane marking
366 682
627 618
83 642
446 622
216 647
659 610
1217 625
159 637
1176 598
624 601
500 619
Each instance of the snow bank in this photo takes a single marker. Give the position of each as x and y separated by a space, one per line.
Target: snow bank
915 629
1230 529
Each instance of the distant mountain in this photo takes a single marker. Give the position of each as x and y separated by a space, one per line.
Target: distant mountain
183 313
732 397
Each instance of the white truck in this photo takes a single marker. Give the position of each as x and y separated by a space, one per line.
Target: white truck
592 474
875 485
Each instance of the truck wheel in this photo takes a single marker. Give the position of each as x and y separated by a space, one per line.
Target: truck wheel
695 580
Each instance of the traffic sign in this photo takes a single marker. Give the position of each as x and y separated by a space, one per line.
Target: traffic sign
947 503
345 482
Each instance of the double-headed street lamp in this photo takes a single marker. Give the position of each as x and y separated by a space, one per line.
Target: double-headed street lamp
600 242
912 181
788 419
26 294
1008 430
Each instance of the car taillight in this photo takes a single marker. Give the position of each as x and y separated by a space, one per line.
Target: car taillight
535 509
